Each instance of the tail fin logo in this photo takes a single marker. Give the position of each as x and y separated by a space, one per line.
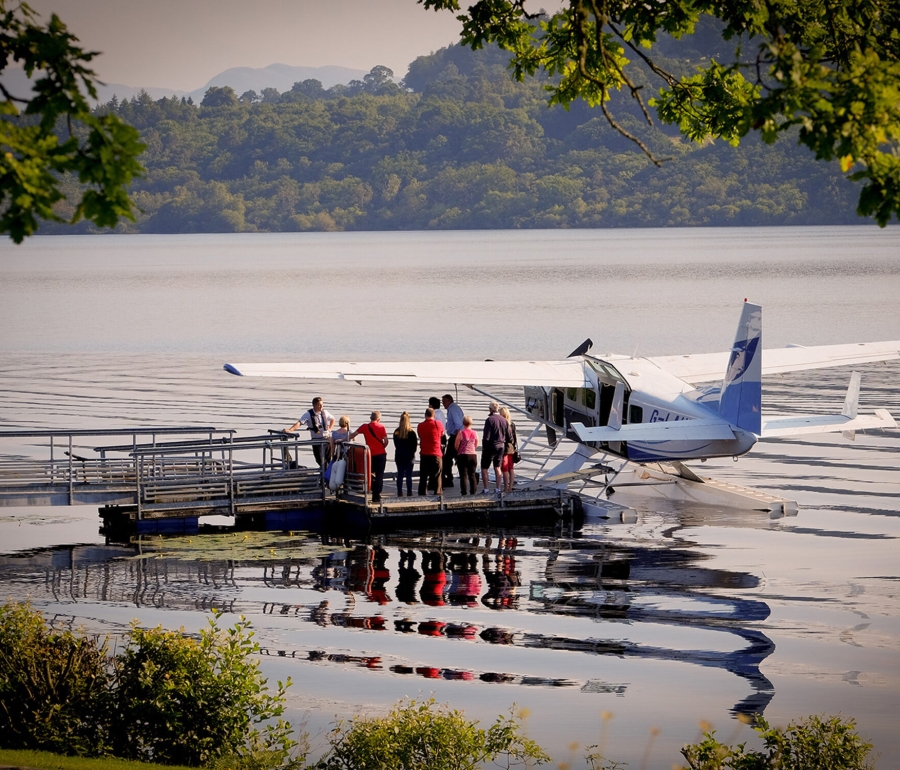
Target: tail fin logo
741 399
742 355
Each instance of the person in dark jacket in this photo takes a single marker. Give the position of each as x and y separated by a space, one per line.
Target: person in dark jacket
430 454
405 444
493 445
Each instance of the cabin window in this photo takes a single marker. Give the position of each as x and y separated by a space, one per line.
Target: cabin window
635 414
572 394
590 398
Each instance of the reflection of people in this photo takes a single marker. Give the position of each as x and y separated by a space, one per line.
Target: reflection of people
493 445
452 426
508 466
434 579
408 577
503 582
377 590
430 432
466 446
319 614
320 422
465 583
405 444
376 439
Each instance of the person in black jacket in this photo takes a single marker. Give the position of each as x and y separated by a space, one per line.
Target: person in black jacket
405 444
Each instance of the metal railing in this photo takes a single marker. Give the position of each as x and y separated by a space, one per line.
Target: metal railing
217 470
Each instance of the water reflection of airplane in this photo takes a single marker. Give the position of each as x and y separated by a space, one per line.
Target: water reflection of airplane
551 575
661 411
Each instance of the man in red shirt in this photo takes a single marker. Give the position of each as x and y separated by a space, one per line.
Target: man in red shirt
376 439
430 453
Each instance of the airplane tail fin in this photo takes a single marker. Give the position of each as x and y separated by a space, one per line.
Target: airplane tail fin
741 398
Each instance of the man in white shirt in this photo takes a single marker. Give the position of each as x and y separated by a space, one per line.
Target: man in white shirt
435 403
319 421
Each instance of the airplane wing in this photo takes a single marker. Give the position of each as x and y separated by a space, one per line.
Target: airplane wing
567 373
710 367
675 430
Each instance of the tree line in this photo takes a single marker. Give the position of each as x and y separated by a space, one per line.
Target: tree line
459 144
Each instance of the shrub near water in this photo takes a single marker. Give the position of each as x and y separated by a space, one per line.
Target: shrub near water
414 736
813 743
54 687
165 698
187 701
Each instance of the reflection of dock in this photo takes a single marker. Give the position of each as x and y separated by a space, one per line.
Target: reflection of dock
166 486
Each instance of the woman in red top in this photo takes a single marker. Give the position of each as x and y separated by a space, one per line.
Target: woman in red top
376 439
466 456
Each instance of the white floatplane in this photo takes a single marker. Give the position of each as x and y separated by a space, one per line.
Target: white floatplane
655 413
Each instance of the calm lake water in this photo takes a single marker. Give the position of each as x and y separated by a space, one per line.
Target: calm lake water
688 613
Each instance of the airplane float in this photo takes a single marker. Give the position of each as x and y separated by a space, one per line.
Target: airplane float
653 414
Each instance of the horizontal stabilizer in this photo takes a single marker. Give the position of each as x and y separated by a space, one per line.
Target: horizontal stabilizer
568 373
675 430
825 423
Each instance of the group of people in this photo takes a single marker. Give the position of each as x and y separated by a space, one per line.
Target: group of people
442 439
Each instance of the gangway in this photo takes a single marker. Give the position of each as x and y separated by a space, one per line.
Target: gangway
207 470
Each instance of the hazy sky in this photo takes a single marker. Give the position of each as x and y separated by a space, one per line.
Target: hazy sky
181 44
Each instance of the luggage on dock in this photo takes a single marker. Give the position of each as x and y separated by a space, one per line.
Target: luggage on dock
338 468
357 463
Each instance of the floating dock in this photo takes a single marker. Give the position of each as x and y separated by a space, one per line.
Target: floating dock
154 485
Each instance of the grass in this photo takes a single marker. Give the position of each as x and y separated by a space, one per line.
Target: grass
44 760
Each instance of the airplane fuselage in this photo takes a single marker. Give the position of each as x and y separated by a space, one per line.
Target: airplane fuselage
650 395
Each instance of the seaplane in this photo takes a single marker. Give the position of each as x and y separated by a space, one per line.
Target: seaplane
649 416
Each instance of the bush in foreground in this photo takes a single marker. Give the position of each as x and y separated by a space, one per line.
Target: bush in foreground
414 736
191 701
167 697
813 743
54 687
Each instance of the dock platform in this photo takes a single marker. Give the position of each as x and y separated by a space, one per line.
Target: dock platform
151 485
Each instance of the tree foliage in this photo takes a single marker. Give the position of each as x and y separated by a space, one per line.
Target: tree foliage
52 132
830 71
462 146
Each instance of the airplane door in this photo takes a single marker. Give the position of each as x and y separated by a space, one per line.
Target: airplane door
557 402
540 403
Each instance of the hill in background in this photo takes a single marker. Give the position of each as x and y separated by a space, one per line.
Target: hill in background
460 145
241 79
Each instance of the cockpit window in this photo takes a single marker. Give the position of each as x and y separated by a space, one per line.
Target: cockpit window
606 372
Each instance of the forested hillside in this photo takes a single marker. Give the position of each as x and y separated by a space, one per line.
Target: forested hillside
460 146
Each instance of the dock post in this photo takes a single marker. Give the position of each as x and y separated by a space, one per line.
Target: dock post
137 479
230 472
71 490
321 478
